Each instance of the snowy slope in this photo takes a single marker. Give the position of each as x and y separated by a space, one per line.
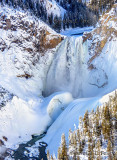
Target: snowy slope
53 7
20 119
27 47
69 119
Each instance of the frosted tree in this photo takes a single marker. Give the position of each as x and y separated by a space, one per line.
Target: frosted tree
86 122
51 158
98 150
63 150
59 154
48 155
109 150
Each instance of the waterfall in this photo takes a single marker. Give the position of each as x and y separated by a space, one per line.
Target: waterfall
69 68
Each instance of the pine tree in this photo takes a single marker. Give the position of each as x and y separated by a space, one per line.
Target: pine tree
98 150
59 154
78 135
57 23
51 158
50 19
109 150
86 122
64 155
48 155
106 122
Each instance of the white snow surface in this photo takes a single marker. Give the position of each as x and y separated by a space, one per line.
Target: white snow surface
64 71
54 8
69 119
20 119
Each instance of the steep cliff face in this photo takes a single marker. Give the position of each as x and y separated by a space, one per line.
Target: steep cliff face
27 47
26 50
86 66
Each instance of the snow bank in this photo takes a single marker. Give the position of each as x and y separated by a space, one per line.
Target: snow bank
2 151
68 119
20 119
58 104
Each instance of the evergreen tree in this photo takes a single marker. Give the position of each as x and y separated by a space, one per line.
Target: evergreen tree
98 150
63 150
86 122
109 150
48 155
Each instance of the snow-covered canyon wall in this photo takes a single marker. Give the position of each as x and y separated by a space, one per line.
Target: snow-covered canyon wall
70 70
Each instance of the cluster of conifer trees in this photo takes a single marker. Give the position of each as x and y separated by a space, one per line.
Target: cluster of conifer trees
96 136
100 6
77 13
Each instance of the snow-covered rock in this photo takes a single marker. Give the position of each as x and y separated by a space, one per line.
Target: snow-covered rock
27 46
54 8
5 96
58 104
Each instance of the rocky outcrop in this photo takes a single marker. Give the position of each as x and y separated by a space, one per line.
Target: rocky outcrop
105 31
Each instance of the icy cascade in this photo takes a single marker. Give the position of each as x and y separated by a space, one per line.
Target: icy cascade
69 68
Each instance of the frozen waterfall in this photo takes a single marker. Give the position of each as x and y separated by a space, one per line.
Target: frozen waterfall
69 68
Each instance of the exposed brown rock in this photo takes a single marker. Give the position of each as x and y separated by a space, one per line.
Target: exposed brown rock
45 44
8 24
1 143
91 67
24 76
30 50
103 33
87 36
5 138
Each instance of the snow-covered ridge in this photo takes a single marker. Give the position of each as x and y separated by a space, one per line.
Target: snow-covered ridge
27 46
54 8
